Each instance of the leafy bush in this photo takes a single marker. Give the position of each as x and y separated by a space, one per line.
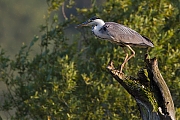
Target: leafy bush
67 79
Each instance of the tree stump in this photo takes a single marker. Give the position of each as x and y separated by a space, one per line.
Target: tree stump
149 90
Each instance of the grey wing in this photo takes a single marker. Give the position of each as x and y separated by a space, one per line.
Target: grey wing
124 35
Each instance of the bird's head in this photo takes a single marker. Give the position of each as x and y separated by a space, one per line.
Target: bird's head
92 22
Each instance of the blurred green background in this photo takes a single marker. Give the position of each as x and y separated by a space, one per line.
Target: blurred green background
51 70
20 21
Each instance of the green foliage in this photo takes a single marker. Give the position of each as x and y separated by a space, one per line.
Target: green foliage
69 80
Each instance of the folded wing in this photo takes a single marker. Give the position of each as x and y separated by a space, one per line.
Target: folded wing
123 35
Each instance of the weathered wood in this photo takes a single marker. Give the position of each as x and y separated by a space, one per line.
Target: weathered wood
149 90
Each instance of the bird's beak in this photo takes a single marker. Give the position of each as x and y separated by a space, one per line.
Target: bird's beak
83 24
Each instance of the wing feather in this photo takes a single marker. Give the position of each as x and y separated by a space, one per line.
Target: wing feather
124 35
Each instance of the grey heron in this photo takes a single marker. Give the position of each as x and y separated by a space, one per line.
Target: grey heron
118 34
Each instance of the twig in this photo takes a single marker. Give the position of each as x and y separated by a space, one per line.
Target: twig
63 12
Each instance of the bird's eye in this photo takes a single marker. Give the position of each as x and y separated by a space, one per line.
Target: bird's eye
89 20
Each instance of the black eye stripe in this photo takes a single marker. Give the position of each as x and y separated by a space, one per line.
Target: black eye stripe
93 18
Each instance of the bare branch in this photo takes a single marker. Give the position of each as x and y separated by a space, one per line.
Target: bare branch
63 12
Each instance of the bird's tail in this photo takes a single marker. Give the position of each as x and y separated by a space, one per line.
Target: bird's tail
148 42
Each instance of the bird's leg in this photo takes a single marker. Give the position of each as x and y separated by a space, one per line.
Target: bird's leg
132 55
127 58
122 65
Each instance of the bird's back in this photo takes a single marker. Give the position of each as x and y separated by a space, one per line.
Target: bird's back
123 35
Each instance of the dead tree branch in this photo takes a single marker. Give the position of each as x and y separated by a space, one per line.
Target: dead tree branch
149 90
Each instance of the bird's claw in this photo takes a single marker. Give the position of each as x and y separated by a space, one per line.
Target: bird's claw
118 73
114 70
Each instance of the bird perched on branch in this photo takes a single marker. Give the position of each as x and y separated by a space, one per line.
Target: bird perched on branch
118 34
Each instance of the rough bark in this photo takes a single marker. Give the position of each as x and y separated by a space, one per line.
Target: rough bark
149 90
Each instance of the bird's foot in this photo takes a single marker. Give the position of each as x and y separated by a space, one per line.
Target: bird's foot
118 73
114 70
